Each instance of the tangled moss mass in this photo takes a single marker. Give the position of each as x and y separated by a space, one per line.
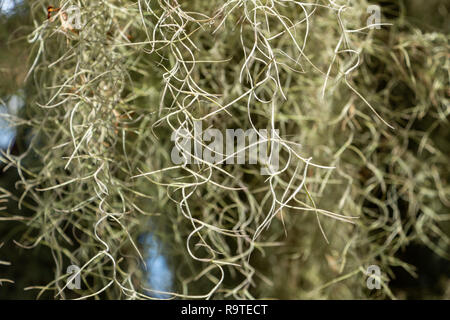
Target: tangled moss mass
361 108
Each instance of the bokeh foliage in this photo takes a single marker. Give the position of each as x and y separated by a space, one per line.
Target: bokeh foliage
102 105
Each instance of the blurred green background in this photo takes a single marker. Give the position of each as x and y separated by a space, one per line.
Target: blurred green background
34 267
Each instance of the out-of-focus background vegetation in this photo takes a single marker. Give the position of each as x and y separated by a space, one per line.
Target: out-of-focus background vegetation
420 34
